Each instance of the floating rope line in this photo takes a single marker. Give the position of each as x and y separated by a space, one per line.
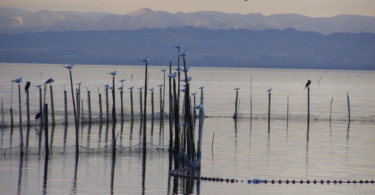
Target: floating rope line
179 173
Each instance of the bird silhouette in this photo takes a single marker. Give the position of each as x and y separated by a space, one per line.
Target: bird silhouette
49 81
131 88
173 75
145 60
308 83
269 90
113 73
37 116
17 80
178 46
69 67
27 86
201 88
200 106
236 89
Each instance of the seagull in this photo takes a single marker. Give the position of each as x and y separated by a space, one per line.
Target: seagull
131 88
183 90
151 89
39 86
27 86
37 116
79 84
163 70
141 88
200 106
108 87
188 79
269 90
17 80
181 68
308 83
113 73
50 81
178 46
201 88
195 93
173 75
161 85
69 67
236 89
183 54
121 88
146 60
122 80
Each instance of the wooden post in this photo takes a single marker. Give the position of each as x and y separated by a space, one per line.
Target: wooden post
347 95
89 105
170 111
40 106
308 111
122 105
28 107
236 106
83 114
46 142
131 104
20 115
177 120
100 108
161 104
114 100
145 109
330 112
75 114
163 99
251 99
106 103
66 107
2 112
287 113
52 106
152 104
78 108
140 104
269 112
195 110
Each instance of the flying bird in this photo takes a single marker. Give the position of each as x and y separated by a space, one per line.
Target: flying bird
69 67
173 75
141 88
27 86
39 86
195 93
201 88
178 46
17 80
200 106
50 81
188 79
269 90
145 60
163 70
131 88
113 73
37 116
236 89
152 89
161 85
122 80
183 54
308 83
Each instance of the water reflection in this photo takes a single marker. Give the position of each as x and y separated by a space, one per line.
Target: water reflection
20 168
74 181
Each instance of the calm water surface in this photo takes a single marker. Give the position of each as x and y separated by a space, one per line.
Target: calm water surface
242 150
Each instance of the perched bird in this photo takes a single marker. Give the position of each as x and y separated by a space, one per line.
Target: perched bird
195 93
200 106
121 88
141 88
183 54
183 90
145 60
39 86
122 80
79 84
188 79
50 81
178 46
161 85
173 75
163 70
236 89
131 88
69 67
181 68
17 80
269 90
37 116
113 73
201 88
27 86
108 87
152 89
308 83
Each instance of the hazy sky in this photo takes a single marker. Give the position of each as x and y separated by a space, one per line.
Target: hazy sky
313 8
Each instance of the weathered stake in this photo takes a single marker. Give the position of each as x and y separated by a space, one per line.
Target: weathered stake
122 105
347 95
107 104
269 112
89 105
28 107
131 105
140 105
100 108
330 112
65 108
287 113
20 114
75 114
52 106
308 111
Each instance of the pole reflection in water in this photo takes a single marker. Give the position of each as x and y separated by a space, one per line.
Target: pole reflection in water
144 154
74 186
122 131
152 131
100 134
307 158
27 137
45 179
106 133
65 135
131 132
20 168
88 135
52 136
113 170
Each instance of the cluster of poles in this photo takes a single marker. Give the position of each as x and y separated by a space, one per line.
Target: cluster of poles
182 119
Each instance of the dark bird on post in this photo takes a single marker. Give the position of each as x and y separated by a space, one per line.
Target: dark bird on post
27 86
49 81
308 84
37 116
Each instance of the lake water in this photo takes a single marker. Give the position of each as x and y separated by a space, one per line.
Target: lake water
241 151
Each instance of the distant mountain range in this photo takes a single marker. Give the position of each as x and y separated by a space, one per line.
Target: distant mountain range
14 20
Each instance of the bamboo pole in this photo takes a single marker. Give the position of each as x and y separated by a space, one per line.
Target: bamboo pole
78 108
114 100
152 105
122 105
107 104
66 107
11 109
163 99
287 113
40 106
131 104
330 112
20 115
89 105
28 107
170 111
46 143
75 114
145 111
52 105
269 112
161 103
83 114
251 99
140 105
176 120
347 95
308 111
100 109
2 112
235 106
